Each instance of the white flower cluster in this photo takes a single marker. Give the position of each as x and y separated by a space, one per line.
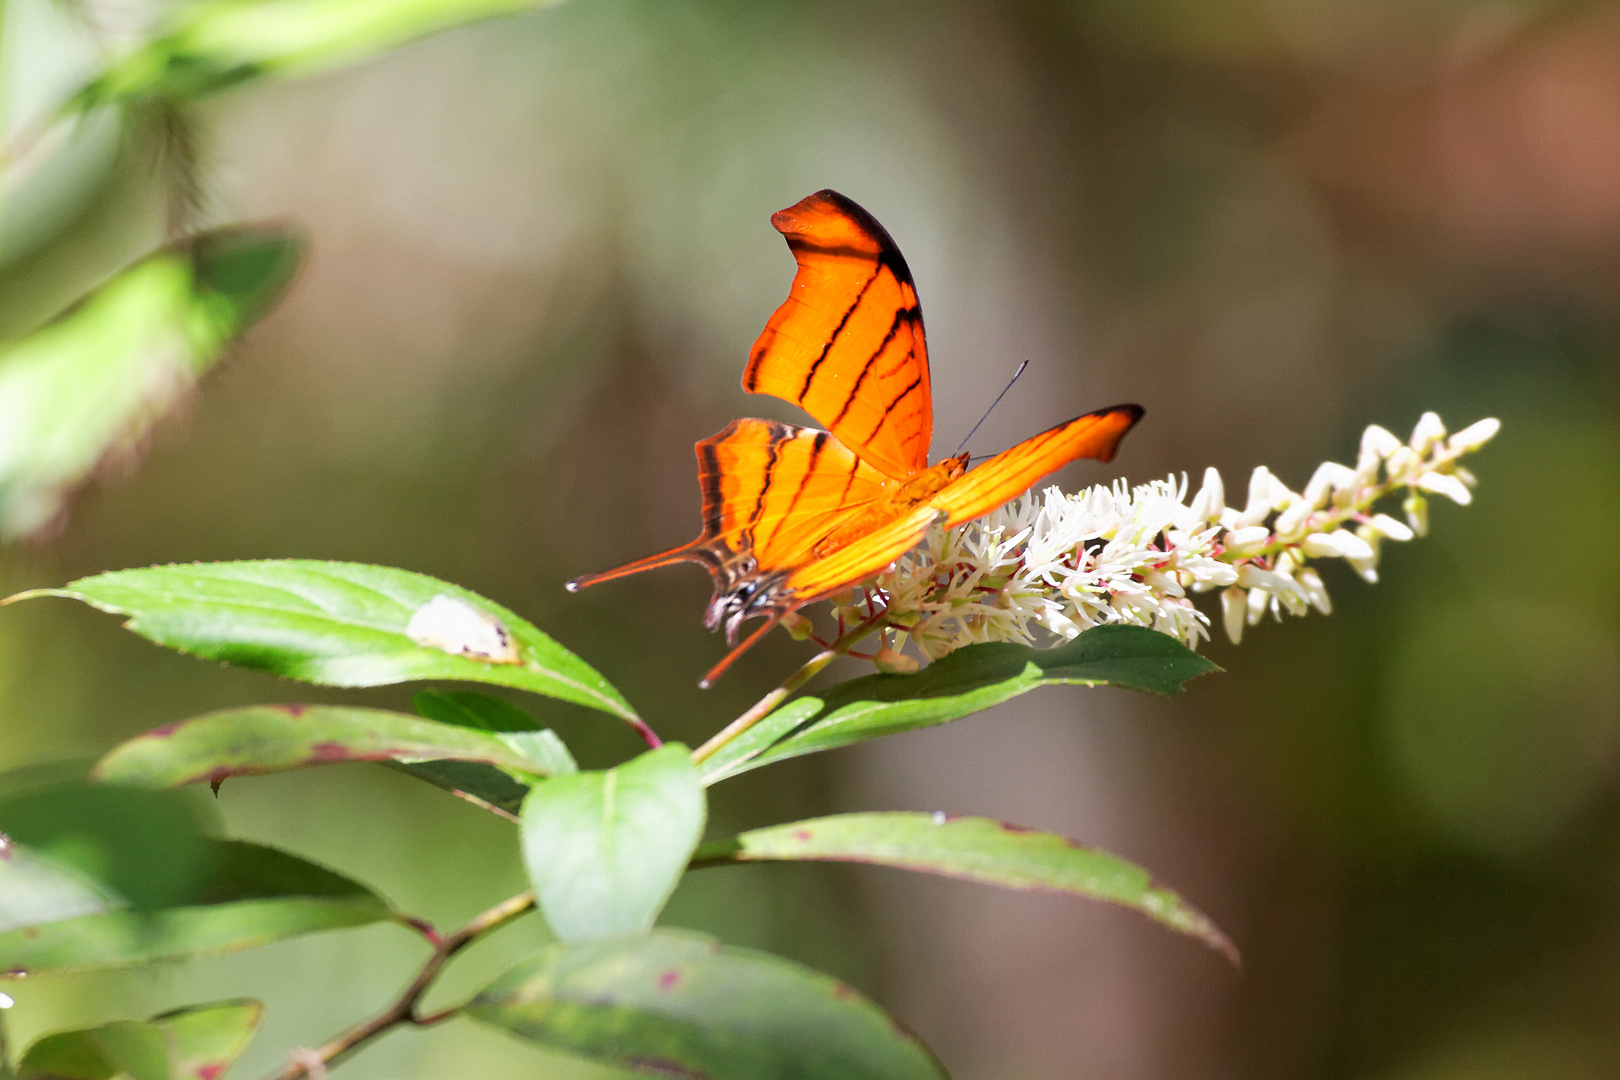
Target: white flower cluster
1062 563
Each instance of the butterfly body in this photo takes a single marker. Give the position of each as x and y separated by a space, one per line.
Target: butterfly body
794 514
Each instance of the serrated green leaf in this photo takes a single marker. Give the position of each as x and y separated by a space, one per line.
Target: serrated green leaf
967 681
973 848
216 44
680 1004
341 624
605 849
262 739
96 381
253 896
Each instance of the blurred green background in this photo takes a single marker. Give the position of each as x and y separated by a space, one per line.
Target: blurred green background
538 251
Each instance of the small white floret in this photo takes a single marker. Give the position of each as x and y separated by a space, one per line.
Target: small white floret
1210 502
1311 582
6 1001
1449 486
1234 607
1391 528
1379 442
1338 544
1417 513
1241 543
1473 436
455 626
1429 430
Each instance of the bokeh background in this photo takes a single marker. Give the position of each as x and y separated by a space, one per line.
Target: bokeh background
538 252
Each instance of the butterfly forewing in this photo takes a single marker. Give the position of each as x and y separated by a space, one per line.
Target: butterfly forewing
1011 472
847 345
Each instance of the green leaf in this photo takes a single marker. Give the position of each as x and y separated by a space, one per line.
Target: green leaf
341 624
272 738
36 889
514 726
605 849
204 1040
680 1004
94 383
473 709
482 785
973 848
215 44
252 896
196 1043
967 681
122 1048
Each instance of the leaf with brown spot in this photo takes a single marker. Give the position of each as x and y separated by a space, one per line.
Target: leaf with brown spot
730 1013
274 738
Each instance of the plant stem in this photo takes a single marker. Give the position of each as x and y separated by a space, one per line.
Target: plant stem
764 705
403 1010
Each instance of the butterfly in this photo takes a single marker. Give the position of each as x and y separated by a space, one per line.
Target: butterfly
795 514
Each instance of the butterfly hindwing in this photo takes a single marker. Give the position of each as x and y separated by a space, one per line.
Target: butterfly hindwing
773 490
847 345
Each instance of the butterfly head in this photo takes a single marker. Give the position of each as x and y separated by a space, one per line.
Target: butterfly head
746 597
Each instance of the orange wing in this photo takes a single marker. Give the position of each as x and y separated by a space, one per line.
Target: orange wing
847 345
771 492
1011 472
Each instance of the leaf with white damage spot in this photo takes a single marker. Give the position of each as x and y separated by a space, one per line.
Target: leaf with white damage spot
341 624
976 849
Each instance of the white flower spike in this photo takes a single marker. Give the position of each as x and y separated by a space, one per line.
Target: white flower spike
1054 565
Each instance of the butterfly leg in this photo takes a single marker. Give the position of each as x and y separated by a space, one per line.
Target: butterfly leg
719 669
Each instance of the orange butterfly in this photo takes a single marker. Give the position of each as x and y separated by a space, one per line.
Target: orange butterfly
791 514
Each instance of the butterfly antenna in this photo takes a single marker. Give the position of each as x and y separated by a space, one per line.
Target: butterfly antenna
993 404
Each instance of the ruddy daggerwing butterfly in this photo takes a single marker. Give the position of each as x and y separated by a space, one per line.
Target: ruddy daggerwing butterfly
792 514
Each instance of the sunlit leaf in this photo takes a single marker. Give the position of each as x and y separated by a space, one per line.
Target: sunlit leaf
254 895
514 726
341 624
965 682
196 1043
94 383
679 1004
974 848
605 849
36 889
261 739
122 1048
204 1040
214 44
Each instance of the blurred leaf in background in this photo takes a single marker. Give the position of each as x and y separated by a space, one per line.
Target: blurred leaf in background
89 388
